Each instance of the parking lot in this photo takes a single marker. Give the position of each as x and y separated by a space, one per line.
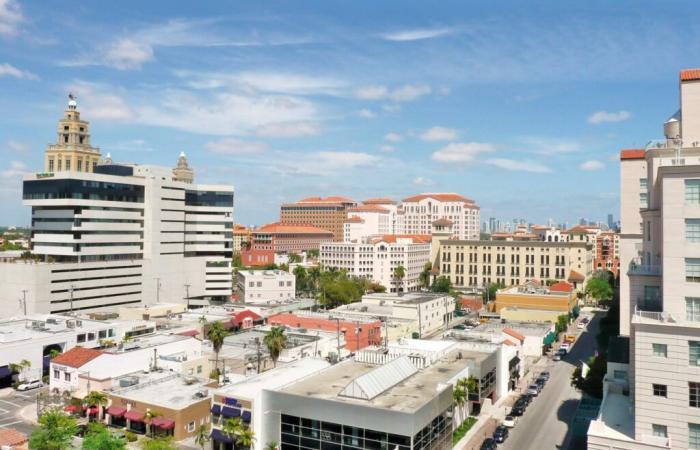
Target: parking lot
11 402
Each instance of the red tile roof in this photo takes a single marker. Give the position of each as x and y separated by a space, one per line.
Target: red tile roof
330 199
76 357
282 228
509 342
515 334
581 229
575 276
355 219
690 74
443 197
632 153
379 201
561 286
11 437
239 317
443 222
369 208
417 238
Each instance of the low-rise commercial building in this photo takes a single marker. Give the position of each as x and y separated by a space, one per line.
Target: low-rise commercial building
535 296
262 286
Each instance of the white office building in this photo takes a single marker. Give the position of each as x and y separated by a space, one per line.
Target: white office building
656 404
420 211
120 234
264 286
377 258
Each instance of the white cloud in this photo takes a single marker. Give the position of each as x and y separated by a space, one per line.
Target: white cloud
462 152
417 34
393 137
232 146
371 92
405 93
128 54
278 82
387 148
549 146
10 17
592 165
289 129
422 181
323 163
7 70
514 165
102 102
367 113
17 147
440 134
605 116
9 177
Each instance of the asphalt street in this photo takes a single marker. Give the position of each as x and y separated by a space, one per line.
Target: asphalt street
11 404
546 422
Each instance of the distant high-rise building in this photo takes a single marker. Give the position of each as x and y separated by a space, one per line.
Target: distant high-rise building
492 225
611 224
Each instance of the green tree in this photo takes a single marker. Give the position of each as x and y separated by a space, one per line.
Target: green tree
54 352
21 368
424 276
592 384
459 398
216 333
314 279
398 277
149 416
246 438
55 431
232 428
237 261
312 253
98 399
98 437
294 258
272 445
159 443
301 278
489 293
275 340
202 436
375 287
562 324
442 284
598 289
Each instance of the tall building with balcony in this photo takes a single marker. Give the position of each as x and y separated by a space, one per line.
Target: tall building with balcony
120 234
657 404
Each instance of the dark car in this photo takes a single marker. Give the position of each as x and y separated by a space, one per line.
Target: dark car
527 398
544 375
518 409
500 434
562 352
488 444
540 382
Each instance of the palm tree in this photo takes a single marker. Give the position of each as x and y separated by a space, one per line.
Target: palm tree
424 277
459 397
202 436
232 428
99 399
275 340
399 275
216 333
246 438
54 353
20 368
272 445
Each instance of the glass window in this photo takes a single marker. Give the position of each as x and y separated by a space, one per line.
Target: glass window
659 390
692 269
693 436
692 191
643 200
643 184
660 350
694 353
692 309
694 394
620 374
692 230
66 376
659 430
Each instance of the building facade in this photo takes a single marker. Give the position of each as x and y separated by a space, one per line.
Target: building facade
376 259
263 286
282 238
420 211
327 213
121 234
660 253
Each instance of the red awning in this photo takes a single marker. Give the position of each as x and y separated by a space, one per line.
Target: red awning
70 408
165 424
116 411
134 416
93 410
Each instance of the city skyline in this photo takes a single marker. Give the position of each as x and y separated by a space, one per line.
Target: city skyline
286 103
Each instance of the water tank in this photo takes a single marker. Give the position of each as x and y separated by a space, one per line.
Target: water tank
672 127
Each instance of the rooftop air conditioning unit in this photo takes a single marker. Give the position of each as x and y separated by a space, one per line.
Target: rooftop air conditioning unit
202 393
78 323
70 324
52 321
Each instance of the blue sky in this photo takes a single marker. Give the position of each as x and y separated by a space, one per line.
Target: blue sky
522 106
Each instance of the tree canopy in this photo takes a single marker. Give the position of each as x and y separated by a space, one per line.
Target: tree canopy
442 284
489 294
598 289
160 443
275 340
55 431
98 437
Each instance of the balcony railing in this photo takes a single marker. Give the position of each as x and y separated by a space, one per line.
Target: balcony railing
644 269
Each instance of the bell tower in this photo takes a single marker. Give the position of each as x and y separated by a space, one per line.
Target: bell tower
72 150
183 172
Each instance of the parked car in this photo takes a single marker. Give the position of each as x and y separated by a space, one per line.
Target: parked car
510 421
556 357
517 410
580 325
500 434
562 352
544 375
31 384
565 346
527 398
540 382
488 444
533 390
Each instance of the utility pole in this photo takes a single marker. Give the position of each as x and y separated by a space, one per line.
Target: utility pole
157 289
358 329
337 322
257 351
24 301
187 293
420 324
71 298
